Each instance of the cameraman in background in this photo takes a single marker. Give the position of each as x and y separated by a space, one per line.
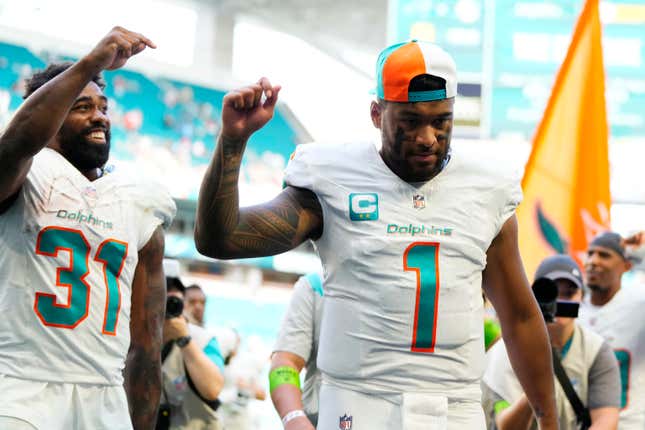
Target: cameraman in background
587 360
192 366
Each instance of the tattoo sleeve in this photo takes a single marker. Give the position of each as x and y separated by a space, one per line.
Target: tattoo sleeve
142 373
222 230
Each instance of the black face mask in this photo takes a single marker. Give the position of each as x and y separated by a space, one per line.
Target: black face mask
81 153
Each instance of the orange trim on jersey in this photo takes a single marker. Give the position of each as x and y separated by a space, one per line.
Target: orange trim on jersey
397 74
107 285
418 295
58 283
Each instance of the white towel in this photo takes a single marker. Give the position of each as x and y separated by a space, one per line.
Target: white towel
423 411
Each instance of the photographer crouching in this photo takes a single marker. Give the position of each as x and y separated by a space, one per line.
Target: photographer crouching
587 378
192 366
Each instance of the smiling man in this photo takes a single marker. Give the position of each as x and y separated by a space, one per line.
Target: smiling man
82 290
616 313
401 342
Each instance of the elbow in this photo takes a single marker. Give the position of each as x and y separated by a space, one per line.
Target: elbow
209 247
203 246
213 390
211 394
201 241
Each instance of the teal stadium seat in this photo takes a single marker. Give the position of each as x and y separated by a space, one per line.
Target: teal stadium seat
159 112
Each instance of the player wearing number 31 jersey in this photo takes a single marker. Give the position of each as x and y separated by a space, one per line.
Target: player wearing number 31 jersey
81 278
71 253
407 236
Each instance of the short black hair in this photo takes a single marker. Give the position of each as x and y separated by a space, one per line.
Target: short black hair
424 82
41 77
175 284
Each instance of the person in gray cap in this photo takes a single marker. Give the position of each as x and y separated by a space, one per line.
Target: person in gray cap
616 313
588 361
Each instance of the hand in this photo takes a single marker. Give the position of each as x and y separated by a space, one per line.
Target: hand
635 240
174 328
244 112
299 423
114 50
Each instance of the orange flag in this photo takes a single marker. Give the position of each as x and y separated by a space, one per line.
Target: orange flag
566 181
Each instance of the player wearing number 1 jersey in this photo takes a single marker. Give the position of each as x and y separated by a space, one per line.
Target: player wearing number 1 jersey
81 279
407 235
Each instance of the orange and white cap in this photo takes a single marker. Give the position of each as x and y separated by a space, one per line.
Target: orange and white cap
398 65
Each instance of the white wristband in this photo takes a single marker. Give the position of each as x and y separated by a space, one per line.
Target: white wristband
291 415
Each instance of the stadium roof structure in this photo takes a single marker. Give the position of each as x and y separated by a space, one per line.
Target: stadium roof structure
340 29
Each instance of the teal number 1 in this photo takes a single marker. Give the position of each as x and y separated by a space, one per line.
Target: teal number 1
111 253
423 258
624 361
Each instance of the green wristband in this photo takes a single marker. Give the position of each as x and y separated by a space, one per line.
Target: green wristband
283 375
500 406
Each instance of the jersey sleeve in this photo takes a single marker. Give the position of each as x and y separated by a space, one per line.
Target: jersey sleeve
492 404
297 330
155 208
499 375
214 354
298 172
40 178
208 344
604 380
510 195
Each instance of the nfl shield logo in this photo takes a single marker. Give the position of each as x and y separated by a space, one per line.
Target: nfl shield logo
90 195
90 192
345 422
419 201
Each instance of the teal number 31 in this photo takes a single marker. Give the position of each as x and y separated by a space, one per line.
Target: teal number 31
423 258
111 254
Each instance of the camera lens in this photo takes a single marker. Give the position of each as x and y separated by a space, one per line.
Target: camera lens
174 307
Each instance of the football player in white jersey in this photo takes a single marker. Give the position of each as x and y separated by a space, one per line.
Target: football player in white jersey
296 348
616 313
82 290
407 236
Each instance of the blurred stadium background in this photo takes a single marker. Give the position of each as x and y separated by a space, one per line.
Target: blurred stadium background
165 105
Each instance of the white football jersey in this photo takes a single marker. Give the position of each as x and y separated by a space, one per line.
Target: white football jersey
621 323
300 332
69 251
403 267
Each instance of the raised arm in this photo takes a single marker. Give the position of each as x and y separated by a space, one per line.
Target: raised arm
523 327
43 112
222 230
143 365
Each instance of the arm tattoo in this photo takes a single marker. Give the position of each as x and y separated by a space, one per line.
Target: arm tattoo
143 365
225 231
278 226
